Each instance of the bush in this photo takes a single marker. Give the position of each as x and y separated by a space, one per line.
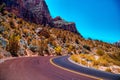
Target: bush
44 33
116 55
1 56
2 29
100 52
70 48
84 62
95 63
77 41
13 45
103 62
12 24
108 70
75 58
33 48
87 47
58 50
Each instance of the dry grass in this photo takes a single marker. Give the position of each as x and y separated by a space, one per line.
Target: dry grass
105 60
75 58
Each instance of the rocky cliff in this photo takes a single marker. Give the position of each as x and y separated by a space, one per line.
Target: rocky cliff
30 10
37 11
117 43
62 24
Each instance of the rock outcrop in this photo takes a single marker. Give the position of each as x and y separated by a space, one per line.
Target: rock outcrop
62 24
117 44
30 10
37 11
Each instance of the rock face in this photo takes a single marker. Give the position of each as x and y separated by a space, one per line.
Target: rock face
30 10
117 43
37 11
62 24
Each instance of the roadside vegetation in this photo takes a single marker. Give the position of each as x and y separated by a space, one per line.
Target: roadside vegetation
100 60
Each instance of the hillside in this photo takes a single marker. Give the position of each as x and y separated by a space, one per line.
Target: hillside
22 36
36 38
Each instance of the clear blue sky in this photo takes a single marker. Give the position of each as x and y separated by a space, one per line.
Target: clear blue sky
98 19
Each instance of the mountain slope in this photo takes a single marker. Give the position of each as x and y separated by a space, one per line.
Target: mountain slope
30 10
36 11
43 40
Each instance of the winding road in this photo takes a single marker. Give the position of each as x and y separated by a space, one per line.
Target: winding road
64 62
39 68
35 68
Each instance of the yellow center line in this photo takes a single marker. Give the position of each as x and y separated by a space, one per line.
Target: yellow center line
82 74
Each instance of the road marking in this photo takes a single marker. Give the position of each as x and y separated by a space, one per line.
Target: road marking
82 74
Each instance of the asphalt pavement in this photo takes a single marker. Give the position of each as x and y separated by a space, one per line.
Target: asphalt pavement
64 62
36 68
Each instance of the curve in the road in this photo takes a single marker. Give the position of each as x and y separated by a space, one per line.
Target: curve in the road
66 64
70 70
35 68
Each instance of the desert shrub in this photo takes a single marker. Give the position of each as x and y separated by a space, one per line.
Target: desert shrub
64 40
103 62
114 61
90 57
70 47
34 45
1 56
2 29
6 25
84 62
33 48
45 46
13 45
5 34
86 47
53 43
108 70
58 50
44 33
77 41
95 63
100 52
82 55
75 58
12 24
26 32
39 46
116 55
